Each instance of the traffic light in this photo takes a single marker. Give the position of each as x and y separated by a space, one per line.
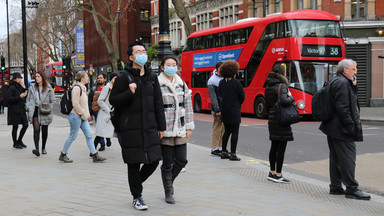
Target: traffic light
66 63
2 63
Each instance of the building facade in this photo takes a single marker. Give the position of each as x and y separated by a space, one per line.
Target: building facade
134 25
362 22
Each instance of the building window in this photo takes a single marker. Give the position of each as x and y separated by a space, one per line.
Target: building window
266 7
255 8
156 35
229 15
314 4
204 21
359 9
155 7
144 15
300 5
277 6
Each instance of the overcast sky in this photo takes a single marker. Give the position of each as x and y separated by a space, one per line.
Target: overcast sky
14 16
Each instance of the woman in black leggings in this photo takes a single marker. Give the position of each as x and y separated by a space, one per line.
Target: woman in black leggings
278 134
16 109
232 94
40 94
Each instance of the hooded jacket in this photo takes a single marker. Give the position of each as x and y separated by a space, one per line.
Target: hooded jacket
277 132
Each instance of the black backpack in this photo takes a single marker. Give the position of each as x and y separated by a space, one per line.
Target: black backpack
322 108
66 101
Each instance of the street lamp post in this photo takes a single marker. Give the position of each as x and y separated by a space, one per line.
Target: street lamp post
9 50
164 39
24 26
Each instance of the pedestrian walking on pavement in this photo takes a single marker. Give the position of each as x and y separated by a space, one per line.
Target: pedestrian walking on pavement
79 118
40 101
179 117
232 94
104 127
218 125
343 130
136 95
94 108
278 134
16 96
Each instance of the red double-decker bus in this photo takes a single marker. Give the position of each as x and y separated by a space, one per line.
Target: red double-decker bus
4 76
307 42
59 79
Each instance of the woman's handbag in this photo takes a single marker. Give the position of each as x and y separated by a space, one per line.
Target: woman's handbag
286 114
44 109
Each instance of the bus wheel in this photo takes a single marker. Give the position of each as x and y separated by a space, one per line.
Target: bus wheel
259 108
197 103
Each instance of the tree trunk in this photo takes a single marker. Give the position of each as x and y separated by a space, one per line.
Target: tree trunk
182 13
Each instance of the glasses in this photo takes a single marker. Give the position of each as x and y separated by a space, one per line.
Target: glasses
138 52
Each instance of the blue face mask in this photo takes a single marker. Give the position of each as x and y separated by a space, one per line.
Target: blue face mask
141 59
170 71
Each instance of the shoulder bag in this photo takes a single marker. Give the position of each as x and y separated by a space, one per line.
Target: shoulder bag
286 115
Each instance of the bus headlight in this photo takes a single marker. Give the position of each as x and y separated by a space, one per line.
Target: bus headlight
301 105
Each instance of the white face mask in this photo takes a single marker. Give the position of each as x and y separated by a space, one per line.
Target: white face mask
141 59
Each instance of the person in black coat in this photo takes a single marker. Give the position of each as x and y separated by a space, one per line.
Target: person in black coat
278 134
233 96
137 96
343 130
16 97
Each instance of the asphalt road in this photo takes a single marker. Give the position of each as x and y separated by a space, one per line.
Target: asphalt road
309 143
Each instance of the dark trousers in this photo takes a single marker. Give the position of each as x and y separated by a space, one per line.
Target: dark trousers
276 155
233 131
172 153
342 164
137 174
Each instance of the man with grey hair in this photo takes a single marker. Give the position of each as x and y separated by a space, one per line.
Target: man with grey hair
342 130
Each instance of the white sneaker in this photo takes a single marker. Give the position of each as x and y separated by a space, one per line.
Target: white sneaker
183 170
139 204
280 179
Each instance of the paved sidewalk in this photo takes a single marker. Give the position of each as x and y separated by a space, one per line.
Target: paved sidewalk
211 186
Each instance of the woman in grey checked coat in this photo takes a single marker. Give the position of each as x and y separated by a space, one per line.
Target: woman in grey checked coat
179 118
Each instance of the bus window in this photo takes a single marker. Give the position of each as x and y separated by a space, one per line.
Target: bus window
309 76
200 79
209 42
315 28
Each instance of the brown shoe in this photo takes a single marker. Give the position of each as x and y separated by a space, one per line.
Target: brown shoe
97 158
64 158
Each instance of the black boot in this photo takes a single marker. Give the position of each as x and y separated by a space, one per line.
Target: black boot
166 175
177 167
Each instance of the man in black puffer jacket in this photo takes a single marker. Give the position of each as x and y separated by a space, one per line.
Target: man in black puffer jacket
137 96
343 130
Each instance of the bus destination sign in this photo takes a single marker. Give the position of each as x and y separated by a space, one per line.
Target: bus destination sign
321 51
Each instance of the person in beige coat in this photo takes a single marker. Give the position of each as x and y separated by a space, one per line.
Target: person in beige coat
40 94
79 118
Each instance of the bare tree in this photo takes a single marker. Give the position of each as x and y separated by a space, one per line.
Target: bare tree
105 12
52 28
182 13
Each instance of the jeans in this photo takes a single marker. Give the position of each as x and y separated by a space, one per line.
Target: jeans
76 122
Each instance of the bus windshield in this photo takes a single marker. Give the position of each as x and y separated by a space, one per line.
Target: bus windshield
57 67
315 28
309 76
